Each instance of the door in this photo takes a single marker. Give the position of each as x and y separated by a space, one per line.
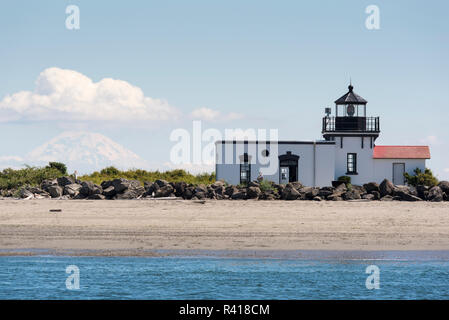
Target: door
284 179
398 173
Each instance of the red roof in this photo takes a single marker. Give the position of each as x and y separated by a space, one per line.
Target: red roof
401 152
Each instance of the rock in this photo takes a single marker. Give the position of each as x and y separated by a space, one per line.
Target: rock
422 191
230 190
368 196
161 183
109 192
164 191
218 184
444 186
317 198
334 197
131 193
47 183
404 196
55 191
296 185
361 190
351 195
96 196
386 198
188 193
63 181
435 194
341 188
445 196
324 192
200 195
72 190
386 188
376 195
120 185
201 188
239 195
106 184
151 188
253 184
399 190
254 192
180 188
290 193
25 193
309 192
371 186
88 188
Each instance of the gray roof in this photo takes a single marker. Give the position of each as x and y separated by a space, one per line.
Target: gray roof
351 98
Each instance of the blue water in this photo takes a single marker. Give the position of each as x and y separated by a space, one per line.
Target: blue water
44 277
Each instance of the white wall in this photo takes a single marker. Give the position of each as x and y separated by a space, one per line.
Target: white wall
365 166
383 168
324 161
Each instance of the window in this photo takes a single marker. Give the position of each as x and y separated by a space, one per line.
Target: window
245 170
351 165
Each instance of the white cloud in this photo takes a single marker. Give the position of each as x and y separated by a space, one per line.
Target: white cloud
446 170
69 95
208 114
431 140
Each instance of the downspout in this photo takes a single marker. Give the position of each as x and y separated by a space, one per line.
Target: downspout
314 163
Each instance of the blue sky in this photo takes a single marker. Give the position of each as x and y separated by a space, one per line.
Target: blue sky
278 64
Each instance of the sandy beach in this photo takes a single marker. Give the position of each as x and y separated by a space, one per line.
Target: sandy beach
145 226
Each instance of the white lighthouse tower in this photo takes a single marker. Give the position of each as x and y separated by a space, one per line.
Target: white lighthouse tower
354 134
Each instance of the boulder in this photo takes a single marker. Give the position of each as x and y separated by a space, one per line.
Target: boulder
96 196
151 188
376 195
371 186
253 184
120 185
351 195
435 194
109 192
161 183
309 192
63 181
106 184
230 190
341 188
47 183
218 184
444 186
131 193
254 192
88 188
422 191
290 193
55 191
188 193
386 188
296 185
404 196
317 199
72 190
239 195
25 193
334 197
164 191
387 198
368 196
180 188
200 195
324 192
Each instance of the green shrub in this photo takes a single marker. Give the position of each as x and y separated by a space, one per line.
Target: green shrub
266 185
177 175
425 178
61 167
345 179
29 176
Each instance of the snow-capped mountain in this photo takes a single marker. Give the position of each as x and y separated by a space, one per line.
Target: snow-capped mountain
85 152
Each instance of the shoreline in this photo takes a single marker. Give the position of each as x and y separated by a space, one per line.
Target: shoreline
315 255
146 228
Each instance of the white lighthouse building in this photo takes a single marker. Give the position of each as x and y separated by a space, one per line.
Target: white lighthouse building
347 149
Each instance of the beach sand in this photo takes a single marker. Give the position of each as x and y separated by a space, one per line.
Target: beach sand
144 227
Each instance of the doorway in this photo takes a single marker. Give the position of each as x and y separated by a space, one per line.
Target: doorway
398 173
288 168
